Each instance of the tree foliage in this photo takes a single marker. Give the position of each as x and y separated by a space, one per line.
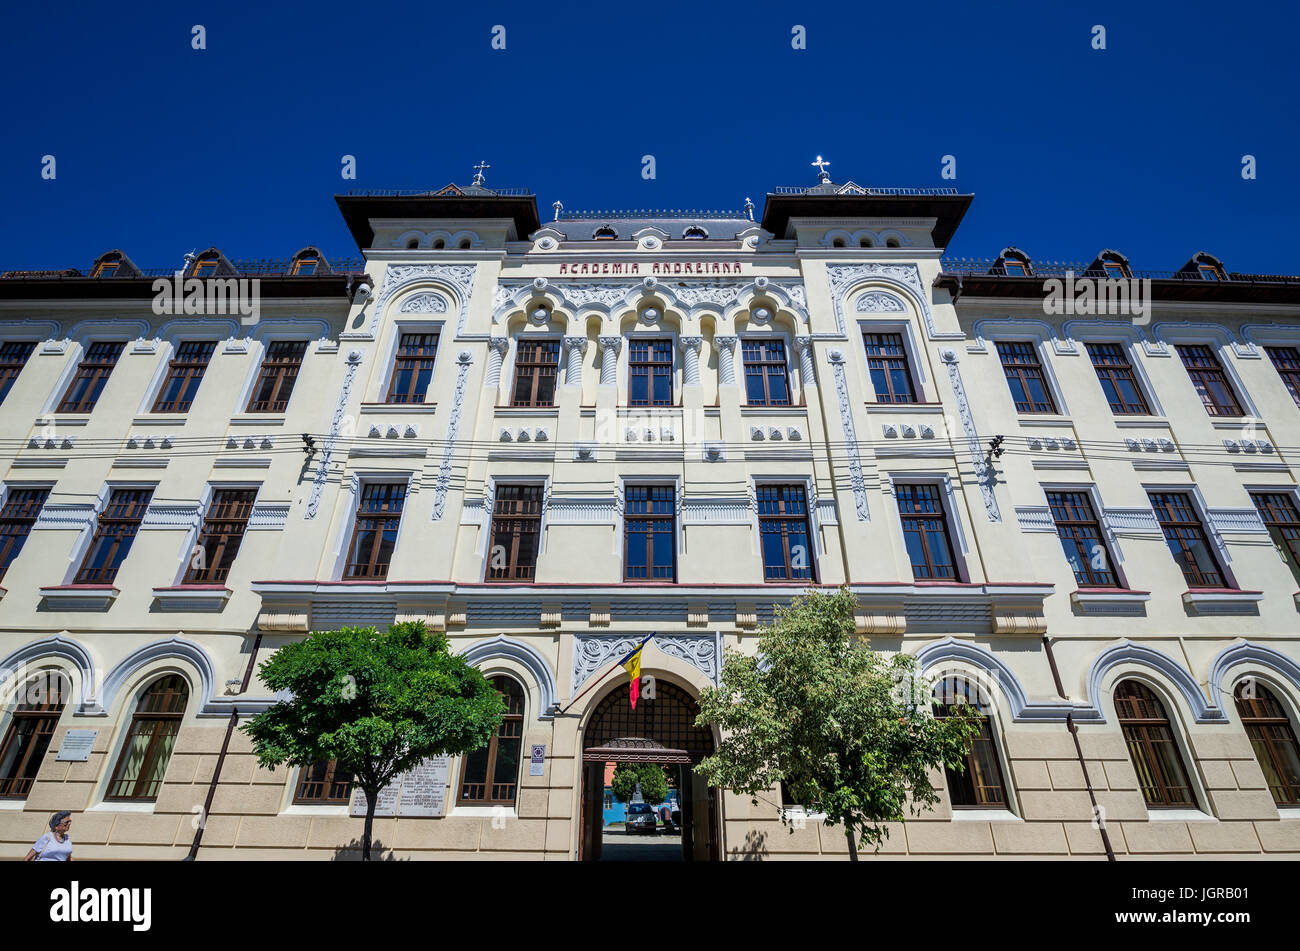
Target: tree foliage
848 730
651 776
379 703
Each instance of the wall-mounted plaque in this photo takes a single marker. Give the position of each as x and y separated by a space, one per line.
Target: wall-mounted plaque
537 763
420 792
77 745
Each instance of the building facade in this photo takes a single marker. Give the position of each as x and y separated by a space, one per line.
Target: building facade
550 439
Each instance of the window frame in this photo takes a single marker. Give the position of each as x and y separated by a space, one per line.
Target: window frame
890 398
190 574
1177 741
628 482
530 339
11 370
1235 390
742 368
1113 371
364 486
416 395
1033 345
1289 375
943 494
634 339
1287 720
1213 543
1107 537
124 745
174 362
6 497
1286 546
326 784
49 716
490 776
989 733
78 575
84 362
258 373
757 484
490 515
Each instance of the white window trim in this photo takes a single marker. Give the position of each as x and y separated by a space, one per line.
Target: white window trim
125 715
1115 332
1016 333
77 352
1193 491
620 526
485 525
1099 513
955 530
1288 490
814 522
411 325
358 479
504 399
984 680
915 366
1221 349
205 503
170 346
792 374
82 544
660 332
263 346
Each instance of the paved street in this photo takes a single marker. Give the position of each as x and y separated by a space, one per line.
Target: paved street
618 846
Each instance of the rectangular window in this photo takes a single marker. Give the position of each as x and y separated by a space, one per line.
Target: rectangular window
1025 377
536 366
304 265
1113 269
221 535
323 784
278 374
205 268
13 357
925 530
887 361
1015 268
1285 359
106 269
1186 539
93 372
379 513
114 535
649 515
784 533
1081 538
184 374
1117 380
650 373
1280 517
516 533
16 520
766 381
1210 380
31 728
412 368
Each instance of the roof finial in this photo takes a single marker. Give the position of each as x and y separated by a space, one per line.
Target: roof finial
749 209
559 207
822 175
478 171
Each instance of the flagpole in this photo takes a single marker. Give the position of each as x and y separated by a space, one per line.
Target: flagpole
617 663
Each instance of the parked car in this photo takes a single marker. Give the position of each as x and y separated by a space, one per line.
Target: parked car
641 819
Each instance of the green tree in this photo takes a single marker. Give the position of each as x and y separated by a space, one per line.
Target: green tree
848 731
379 703
651 776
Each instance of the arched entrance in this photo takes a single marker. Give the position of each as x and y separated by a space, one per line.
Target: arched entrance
660 730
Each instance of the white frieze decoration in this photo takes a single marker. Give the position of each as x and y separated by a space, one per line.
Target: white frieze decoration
978 460
842 277
464 360
878 302
593 652
336 424
459 276
424 304
698 650
691 295
836 358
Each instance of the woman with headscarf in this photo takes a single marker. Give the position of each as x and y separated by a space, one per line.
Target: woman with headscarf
55 845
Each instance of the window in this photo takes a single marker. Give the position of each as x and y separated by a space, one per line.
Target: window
114 535
887 361
205 266
605 234
1025 377
784 533
21 508
83 392
412 368
491 773
30 730
278 374
766 380
925 530
1117 380
650 369
1208 272
649 514
1085 548
1152 747
695 233
1210 380
379 514
1280 517
1186 539
143 761
979 785
106 269
1015 267
536 366
184 374
305 264
221 535
516 532
13 357
1113 269
1269 729
323 784
1285 359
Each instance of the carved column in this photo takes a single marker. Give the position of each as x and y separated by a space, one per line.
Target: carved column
726 360
497 347
803 347
609 350
575 347
691 351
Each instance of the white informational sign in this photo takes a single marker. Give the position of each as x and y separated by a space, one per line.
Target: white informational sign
420 792
77 745
537 763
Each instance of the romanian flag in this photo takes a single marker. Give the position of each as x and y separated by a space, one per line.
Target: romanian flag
632 664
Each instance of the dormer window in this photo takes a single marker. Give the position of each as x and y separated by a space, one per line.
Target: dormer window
1209 272
1015 268
106 268
695 234
305 264
1113 269
605 234
205 266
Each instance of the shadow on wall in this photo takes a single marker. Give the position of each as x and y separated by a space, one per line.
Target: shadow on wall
754 848
351 852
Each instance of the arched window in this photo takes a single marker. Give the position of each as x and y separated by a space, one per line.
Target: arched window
1152 747
892 243
439 244
464 244
980 785
412 244
864 243
31 728
1015 264
605 234
695 233
1269 729
306 263
1208 268
1113 267
148 747
490 776
837 243
107 266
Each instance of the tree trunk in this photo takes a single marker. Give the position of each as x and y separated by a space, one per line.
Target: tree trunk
371 797
853 845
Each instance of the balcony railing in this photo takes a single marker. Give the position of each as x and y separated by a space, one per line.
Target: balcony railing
426 192
609 214
904 190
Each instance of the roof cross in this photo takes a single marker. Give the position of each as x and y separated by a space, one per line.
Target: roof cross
822 174
478 171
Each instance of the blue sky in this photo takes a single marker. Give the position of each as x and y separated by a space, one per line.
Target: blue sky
161 148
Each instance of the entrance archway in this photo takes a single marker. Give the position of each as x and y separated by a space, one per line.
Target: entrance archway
660 730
